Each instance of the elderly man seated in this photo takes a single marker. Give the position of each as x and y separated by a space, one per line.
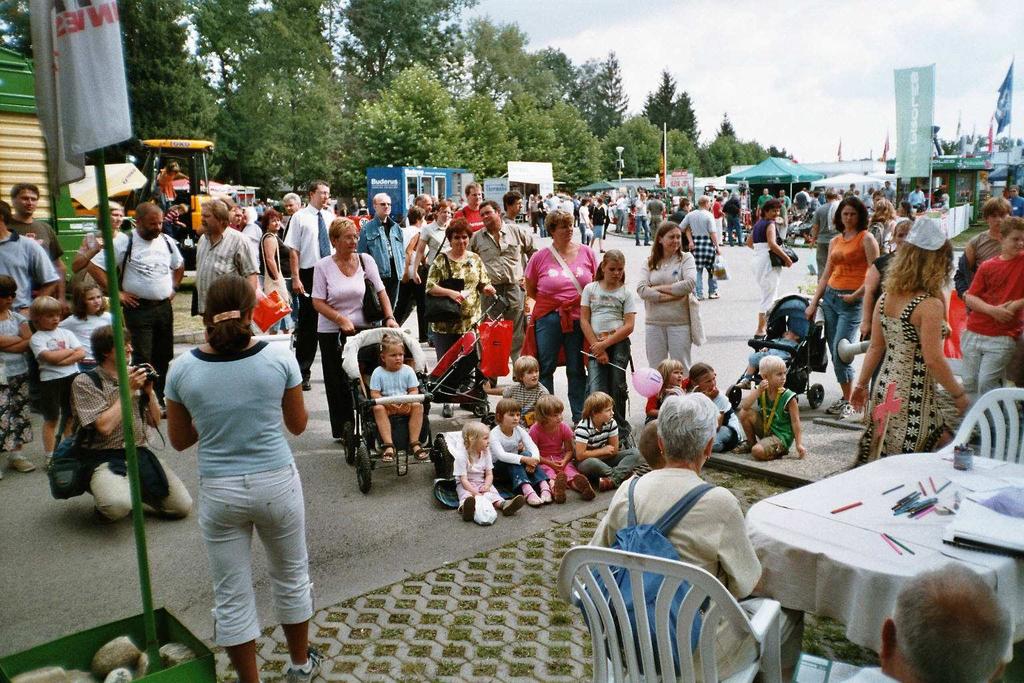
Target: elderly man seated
713 536
948 626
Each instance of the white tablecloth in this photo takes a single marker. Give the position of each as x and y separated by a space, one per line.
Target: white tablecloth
838 565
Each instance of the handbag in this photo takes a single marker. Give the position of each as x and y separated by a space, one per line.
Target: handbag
373 312
484 513
776 260
441 309
67 469
697 336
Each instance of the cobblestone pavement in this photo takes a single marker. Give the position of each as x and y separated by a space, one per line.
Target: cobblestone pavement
493 616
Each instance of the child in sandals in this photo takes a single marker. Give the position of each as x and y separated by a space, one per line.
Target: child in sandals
394 378
516 457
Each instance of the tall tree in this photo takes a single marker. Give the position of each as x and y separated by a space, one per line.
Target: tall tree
530 126
484 143
684 119
383 37
15 33
564 72
659 107
682 152
576 159
165 87
500 67
611 101
726 128
642 148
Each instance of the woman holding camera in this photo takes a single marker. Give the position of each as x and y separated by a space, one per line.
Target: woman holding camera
233 397
96 406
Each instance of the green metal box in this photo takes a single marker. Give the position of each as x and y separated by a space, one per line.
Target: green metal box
76 651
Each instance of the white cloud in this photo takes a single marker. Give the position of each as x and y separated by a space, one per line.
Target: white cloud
798 75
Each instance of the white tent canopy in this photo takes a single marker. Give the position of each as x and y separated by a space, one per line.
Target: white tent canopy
861 181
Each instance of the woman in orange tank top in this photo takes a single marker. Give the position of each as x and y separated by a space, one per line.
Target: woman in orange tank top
841 289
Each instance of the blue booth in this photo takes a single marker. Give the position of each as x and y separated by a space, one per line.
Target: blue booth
403 183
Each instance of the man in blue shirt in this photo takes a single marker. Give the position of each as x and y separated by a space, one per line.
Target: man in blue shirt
1016 202
916 198
382 239
23 259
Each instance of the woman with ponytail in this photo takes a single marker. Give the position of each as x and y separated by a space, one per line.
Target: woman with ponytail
231 396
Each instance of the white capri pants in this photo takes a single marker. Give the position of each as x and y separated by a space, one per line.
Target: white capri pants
229 509
664 341
767 277
984 361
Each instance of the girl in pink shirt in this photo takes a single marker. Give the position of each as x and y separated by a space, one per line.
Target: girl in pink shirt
554 440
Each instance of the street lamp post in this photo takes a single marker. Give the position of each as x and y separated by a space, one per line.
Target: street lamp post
619 163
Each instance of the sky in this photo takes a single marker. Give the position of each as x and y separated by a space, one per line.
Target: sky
795 74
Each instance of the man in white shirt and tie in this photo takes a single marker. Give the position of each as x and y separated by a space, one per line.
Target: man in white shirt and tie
308 241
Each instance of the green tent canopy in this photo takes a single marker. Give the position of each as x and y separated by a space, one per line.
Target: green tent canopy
775 171
597 186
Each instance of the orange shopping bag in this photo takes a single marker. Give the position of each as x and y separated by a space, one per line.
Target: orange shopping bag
957 316
269 310
495 347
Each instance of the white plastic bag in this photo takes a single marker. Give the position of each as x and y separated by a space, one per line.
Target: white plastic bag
485 514
721 270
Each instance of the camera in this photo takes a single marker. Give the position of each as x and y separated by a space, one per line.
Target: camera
151 373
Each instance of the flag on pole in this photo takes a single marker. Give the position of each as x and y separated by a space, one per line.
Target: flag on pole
885 150
663 168
81 90
991 138
1004 103
915 106
960 141
839 152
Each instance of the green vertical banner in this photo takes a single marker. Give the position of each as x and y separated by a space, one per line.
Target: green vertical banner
915 109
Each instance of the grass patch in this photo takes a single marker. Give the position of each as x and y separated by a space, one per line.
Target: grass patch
448 668
825 637
437 604
520 670
426 634
418 669
559 668
453 651
431 618
352 649
385 650
457 634
463 619
419 651
489 651
485 670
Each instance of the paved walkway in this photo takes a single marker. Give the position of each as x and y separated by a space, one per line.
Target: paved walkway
492 616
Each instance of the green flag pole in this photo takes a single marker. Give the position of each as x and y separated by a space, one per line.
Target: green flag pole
127 411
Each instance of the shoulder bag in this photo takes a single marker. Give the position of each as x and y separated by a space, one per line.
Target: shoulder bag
442 309
68 470
777 261
373 313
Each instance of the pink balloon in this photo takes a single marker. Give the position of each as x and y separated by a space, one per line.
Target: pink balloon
647 382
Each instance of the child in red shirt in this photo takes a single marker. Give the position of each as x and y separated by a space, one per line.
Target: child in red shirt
995 302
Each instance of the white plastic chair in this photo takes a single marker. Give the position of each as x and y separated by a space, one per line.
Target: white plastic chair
615 658
997 417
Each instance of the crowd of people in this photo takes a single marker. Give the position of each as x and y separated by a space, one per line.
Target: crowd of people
884 276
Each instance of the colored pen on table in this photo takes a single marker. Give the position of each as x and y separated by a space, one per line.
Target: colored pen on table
923 492
906 499
908 502
921 513
891 544
899 544
847 507
894 488
932 482
941 488
917 507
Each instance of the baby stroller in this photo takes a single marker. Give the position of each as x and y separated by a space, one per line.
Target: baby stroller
810 354
359 358
459 375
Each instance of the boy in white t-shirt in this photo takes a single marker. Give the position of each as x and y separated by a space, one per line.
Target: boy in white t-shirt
58 352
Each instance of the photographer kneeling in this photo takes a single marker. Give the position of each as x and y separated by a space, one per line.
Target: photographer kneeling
96 403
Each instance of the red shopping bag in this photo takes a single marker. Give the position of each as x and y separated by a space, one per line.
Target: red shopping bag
269 310
495 347
957 316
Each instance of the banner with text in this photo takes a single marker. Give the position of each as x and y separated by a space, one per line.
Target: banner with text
915 109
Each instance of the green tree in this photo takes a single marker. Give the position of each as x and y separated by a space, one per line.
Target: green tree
726 128
642 143
15 33
380 38
576 159
500 67
530 126
484 143
168 96
683 117
682 152
659 107
610 97
563 72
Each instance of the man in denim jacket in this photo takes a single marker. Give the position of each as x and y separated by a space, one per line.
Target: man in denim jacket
381 238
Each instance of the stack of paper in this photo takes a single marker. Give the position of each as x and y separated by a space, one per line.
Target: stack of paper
975 526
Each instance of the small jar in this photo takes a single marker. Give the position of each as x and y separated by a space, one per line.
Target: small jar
963 457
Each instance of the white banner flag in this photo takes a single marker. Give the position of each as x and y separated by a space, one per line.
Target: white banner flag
81 90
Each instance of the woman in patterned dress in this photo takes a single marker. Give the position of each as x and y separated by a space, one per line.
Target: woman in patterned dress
909 327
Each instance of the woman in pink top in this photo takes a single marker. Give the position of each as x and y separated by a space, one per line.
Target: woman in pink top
556 313
339 282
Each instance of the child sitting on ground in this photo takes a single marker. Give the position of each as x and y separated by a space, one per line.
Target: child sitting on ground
88 313
994 301
394 378
58 352
527 388
475 475
704 380
597 444
770 415
554 440
673 376
515 455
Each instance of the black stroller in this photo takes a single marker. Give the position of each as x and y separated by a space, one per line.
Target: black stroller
810 355
358 361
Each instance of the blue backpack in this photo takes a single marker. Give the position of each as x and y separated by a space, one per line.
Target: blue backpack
652 539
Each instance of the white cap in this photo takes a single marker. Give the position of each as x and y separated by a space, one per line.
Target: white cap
927 234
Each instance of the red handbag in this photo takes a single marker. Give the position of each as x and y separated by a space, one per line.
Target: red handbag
495 347
269 310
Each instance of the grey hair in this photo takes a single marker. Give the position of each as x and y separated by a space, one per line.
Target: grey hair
950 627
685 425
291 196
377 196
704 200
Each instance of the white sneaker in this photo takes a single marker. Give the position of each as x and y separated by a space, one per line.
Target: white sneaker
849 413
21 464
837 407
299 676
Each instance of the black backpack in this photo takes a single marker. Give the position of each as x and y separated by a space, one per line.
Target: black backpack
67 469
